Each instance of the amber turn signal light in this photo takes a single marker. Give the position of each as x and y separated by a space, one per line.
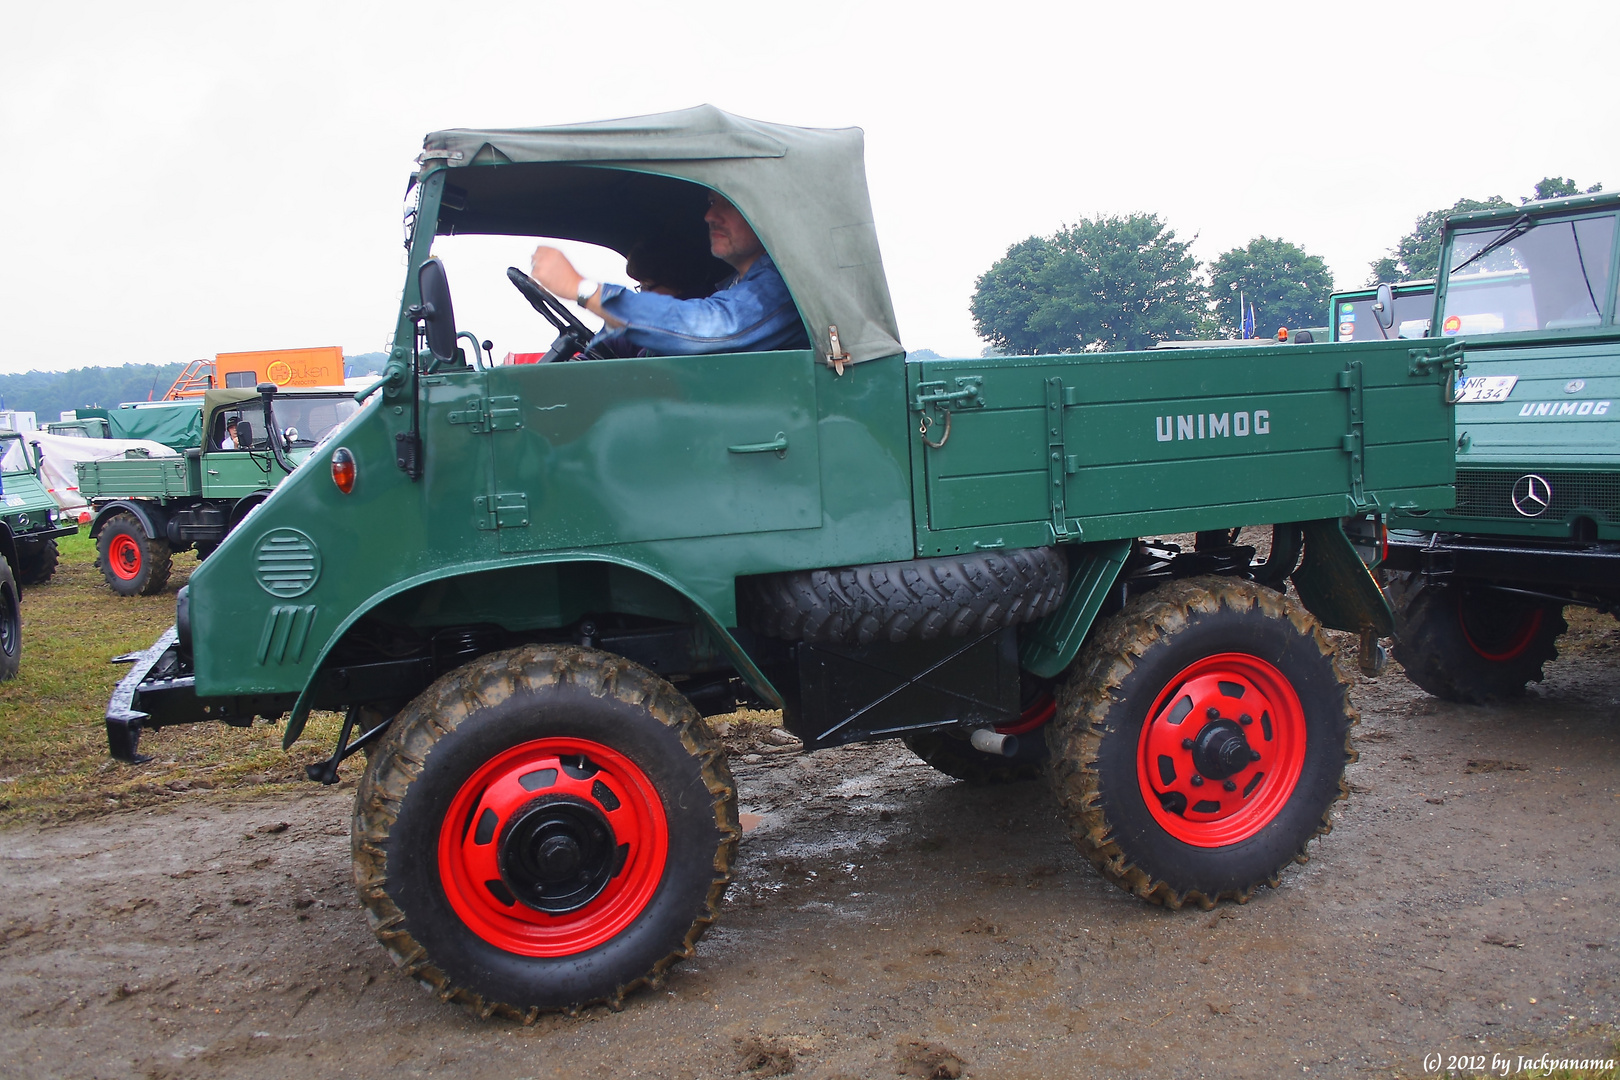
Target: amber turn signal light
343 469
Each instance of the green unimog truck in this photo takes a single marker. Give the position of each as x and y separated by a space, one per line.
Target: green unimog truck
28 511
1481 587
526 586
147 508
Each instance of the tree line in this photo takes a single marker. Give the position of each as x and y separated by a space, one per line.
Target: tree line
48 394
1127 282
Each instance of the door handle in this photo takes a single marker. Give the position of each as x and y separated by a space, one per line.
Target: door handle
778 444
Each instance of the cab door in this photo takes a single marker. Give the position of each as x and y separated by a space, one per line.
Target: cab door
599 452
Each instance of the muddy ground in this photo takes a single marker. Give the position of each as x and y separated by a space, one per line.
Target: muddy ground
888 921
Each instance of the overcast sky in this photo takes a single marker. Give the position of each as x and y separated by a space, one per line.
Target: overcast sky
187 179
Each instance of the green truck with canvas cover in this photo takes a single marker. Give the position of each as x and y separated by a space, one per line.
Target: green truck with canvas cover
31 516
1481 587
147 508
526 586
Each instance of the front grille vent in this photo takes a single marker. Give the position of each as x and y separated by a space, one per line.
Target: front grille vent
1488 493
287 563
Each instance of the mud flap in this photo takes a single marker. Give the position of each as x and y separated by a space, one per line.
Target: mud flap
1336 586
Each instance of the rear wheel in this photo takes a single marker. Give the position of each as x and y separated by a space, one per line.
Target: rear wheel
542 829
1476 645
37 565
133 563
10 623
1201 740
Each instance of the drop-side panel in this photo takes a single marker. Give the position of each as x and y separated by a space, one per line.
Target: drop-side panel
1095 447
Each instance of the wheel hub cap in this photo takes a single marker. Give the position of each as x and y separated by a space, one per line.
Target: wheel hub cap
557 854
553 847
1221 750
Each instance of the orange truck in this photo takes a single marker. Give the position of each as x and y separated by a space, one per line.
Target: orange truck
321 366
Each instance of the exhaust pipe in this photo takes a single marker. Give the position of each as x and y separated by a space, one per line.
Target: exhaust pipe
989 741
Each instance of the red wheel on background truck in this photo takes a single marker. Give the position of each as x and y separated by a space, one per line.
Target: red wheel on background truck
1200 741
544 828
133 563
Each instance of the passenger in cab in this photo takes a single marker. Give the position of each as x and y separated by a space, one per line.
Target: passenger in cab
751 311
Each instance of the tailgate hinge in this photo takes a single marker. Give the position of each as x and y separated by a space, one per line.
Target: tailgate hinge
484 415
504 510
1060 463
1354 442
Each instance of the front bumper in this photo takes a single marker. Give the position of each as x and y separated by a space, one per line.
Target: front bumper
157 692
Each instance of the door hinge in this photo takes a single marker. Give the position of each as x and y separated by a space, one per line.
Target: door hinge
484 415
504 510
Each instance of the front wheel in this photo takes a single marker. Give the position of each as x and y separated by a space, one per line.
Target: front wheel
133 563
37 565
10 624
1476 645
542 829
1201 741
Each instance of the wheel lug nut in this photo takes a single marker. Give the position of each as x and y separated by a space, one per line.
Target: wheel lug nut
1186 744
1230 786
1254 755
1197 781
1245 719
1213 713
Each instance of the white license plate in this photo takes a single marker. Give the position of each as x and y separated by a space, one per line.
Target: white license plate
1482 388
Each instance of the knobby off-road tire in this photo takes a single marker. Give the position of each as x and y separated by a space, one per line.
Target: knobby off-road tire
10 623
133 563
1475 645
1202 660
917 600
542 829
38 565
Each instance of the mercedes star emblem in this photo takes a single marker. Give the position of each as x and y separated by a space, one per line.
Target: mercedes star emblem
1574 386
1532 495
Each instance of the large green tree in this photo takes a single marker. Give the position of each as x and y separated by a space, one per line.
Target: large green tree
1105 283
1286 286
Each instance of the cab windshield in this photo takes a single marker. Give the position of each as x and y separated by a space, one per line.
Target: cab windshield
1552 276
14 457
1354 319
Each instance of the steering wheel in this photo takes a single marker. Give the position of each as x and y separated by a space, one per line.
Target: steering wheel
573 336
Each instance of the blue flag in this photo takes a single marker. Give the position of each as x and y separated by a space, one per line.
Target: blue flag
1248 322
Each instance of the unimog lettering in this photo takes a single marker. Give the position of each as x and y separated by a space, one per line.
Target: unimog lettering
1180 426
1564 408
526 624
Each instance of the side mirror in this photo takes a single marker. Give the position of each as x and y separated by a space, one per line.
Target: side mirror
1384 307
438 317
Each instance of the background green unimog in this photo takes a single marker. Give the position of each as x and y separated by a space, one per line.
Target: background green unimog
527 585
28 511
147 508
1481 587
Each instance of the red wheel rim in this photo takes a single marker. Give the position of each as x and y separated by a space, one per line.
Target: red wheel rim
1509 646
124 556
484 840
1237 719
1039 712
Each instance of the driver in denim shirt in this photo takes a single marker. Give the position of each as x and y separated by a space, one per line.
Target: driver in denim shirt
751 312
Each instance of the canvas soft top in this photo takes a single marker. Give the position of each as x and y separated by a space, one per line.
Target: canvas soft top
802 189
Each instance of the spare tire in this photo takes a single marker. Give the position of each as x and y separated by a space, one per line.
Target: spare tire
916 600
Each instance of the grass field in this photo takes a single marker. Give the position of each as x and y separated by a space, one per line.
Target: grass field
53 745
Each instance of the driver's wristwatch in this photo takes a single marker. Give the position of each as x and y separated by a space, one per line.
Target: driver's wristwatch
587 289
